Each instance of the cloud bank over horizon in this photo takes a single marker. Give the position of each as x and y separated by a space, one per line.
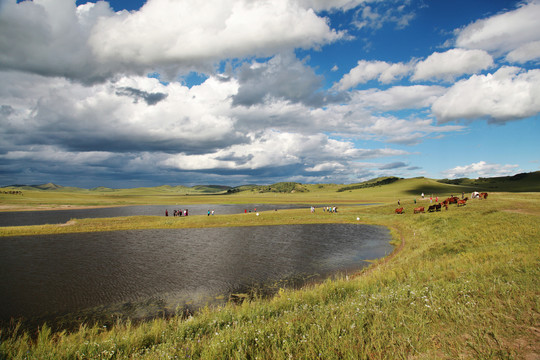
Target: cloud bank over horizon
236 92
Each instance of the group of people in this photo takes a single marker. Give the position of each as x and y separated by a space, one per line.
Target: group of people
330 209
183 212
430 198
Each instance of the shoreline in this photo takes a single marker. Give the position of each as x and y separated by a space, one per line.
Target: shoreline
9 208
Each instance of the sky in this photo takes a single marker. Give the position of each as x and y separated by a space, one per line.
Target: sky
179 92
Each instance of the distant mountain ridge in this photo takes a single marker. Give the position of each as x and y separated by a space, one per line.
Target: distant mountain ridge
523 182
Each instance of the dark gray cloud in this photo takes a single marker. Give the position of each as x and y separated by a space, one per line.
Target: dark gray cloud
136 94
283 77
394 165
73 117
6 110
239 160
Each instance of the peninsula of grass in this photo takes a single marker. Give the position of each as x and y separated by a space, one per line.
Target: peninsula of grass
462 284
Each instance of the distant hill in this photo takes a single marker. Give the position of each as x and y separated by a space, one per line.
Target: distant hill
370 183
210 189
247 187
46 187
197 189
281 187
102 189
524 182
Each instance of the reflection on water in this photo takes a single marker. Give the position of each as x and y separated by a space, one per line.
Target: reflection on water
147 272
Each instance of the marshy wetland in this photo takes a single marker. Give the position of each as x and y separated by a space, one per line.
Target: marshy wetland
462 283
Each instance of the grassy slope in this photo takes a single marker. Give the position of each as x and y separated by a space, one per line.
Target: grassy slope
404 189
465 285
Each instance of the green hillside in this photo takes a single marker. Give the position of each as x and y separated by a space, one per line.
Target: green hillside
524 182
211 189
379 190
370 183
282 187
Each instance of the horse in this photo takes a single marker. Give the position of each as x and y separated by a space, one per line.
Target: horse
419 210
437 207
483 196
399 210
452 200
432 208
462 202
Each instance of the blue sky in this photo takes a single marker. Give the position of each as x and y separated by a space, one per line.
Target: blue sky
145 93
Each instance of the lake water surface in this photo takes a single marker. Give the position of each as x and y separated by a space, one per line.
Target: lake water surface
141 273
20 218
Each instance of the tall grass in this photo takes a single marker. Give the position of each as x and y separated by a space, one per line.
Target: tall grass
465 285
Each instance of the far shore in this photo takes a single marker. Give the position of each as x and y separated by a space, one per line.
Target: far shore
6 208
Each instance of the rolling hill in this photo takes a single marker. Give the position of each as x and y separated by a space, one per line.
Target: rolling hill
524 182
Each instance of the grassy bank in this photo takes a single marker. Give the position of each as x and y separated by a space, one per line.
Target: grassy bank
404 189
464 285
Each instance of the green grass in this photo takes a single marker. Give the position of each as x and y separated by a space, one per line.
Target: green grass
375 190
465 285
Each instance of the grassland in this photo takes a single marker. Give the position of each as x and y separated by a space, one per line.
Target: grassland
463 285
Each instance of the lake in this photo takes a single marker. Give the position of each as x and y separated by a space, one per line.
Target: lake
21 218
145 273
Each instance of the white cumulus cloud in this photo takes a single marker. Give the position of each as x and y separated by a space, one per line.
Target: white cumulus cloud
481 169
504 32
451 64
399 97
527 52
508 94
169 32
92 43
365 71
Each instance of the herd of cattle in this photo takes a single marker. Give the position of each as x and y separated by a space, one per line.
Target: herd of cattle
445 203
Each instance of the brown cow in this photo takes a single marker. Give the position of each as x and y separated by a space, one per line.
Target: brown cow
419 210
399 210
